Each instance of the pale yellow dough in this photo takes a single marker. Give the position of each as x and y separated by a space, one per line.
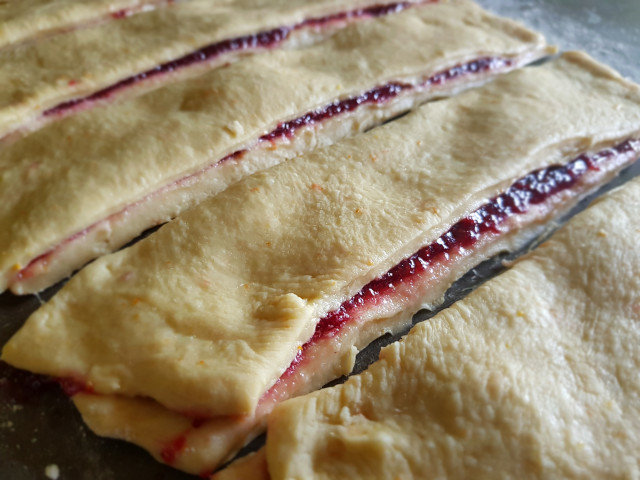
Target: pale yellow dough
249 467
40 74
24 19
534 375
205 314
65 177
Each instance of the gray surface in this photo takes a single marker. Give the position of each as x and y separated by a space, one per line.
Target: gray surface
609 30
38 425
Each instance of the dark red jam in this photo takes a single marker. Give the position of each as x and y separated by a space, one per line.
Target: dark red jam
71 386
173 449
124 13
381 95
261 40
532 189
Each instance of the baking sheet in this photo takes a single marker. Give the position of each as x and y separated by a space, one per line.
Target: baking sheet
39 426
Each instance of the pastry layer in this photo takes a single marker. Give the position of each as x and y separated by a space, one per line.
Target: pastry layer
533 375
206 314
154 48
386 304
310 30
128 166
26 19
252 466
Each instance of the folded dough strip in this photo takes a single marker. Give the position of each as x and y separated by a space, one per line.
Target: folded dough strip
34 19
110 173
385 305
271 274
213 55
533 375
54 89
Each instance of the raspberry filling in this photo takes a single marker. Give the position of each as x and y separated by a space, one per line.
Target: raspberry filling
287 130
262 40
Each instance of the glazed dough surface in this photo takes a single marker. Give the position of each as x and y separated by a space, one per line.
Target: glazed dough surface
205 314
72 173
43 73
534 375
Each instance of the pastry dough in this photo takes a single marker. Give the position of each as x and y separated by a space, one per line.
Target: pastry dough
205 314
390 159
172 438
25 19
41 74
91 182
534 375
249 467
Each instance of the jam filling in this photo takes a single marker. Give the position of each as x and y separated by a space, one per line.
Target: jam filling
261 40
383 94
527 192
287 130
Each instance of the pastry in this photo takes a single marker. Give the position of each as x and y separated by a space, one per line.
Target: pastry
252 466
85 185
184 342
533 375
22 20
48 79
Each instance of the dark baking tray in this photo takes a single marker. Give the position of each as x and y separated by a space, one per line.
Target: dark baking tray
40 427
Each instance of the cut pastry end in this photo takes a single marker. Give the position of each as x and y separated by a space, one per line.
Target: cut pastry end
316 128
385 305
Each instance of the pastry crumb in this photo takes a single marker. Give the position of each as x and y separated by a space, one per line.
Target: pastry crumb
602 233
52 471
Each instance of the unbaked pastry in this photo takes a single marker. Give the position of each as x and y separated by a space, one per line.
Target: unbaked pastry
21 20
240 303
533 375
47 79
87 184
250 467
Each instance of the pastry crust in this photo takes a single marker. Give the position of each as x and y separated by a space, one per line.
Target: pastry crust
42 74
74 173
252 466
243 299
25 19
534 375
